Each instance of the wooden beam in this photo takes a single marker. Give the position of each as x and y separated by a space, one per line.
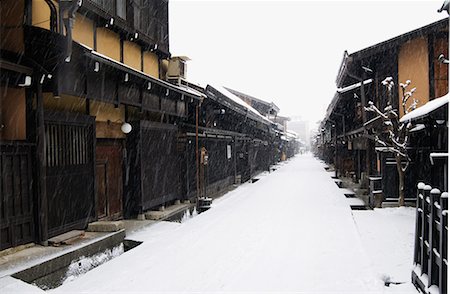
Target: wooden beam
41 168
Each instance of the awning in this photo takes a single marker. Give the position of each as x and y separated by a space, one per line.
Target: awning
94 55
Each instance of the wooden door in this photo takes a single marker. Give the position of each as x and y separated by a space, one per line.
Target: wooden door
101 179
70 159
109 180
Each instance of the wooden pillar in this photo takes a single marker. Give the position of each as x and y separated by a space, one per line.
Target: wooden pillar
41 163
433 275
443 243
425 229
196 152
419 228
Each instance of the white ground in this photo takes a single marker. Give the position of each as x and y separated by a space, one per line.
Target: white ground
292 231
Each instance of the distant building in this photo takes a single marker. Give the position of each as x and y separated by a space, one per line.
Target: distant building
301 127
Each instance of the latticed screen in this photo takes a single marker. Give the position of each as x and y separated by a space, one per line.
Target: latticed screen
66 145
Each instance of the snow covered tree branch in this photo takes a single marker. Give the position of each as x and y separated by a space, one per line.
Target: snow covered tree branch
394 135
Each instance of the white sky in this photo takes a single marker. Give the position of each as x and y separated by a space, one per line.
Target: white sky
287 52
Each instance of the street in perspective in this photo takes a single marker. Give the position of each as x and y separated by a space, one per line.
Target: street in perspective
208 162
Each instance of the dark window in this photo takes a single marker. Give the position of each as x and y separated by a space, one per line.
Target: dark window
137 8
440 69
109 7
121 9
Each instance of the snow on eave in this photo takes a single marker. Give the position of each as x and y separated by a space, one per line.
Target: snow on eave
239 101
426 109
417 128
192 90
352 87
237 93
184 89
291 134
342 68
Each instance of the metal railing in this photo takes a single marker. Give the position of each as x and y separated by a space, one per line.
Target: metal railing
430 248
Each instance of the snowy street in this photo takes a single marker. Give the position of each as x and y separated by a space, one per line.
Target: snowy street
290 231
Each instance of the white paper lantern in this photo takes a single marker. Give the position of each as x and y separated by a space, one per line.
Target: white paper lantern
126 128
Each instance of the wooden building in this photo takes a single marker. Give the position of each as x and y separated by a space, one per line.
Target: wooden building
76 77
347 130
90 129
429 142
233 142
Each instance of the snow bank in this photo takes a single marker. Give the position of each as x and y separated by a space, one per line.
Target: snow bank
388 236
11 285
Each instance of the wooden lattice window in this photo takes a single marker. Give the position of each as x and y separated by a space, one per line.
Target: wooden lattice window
66 145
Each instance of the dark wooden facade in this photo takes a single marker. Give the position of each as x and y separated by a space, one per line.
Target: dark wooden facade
152 167
70 174
17 222
347 132
431 240
74 165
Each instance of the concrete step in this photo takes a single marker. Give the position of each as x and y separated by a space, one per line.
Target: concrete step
105 226
69 237
385 204
167 212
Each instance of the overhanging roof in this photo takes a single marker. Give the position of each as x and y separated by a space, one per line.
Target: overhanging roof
240 94
235 103
94 55
388 44
422 31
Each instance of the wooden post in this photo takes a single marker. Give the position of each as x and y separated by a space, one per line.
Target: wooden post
42 168
234 158
434 198
196 152
419 217
443 243
425 226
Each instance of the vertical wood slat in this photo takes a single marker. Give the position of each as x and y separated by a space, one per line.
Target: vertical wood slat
69 181
2 193
24 184
16 214
66 145
425 233
431 228
433 238
443 244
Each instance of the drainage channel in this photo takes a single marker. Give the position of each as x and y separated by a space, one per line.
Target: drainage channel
53 273
360 207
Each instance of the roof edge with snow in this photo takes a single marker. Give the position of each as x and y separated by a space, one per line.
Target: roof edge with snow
426 109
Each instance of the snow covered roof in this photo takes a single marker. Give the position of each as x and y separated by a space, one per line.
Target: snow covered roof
426 109
269 104
291 134
236 100
352 87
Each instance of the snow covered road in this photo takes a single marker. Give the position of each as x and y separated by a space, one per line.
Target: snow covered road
290 231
